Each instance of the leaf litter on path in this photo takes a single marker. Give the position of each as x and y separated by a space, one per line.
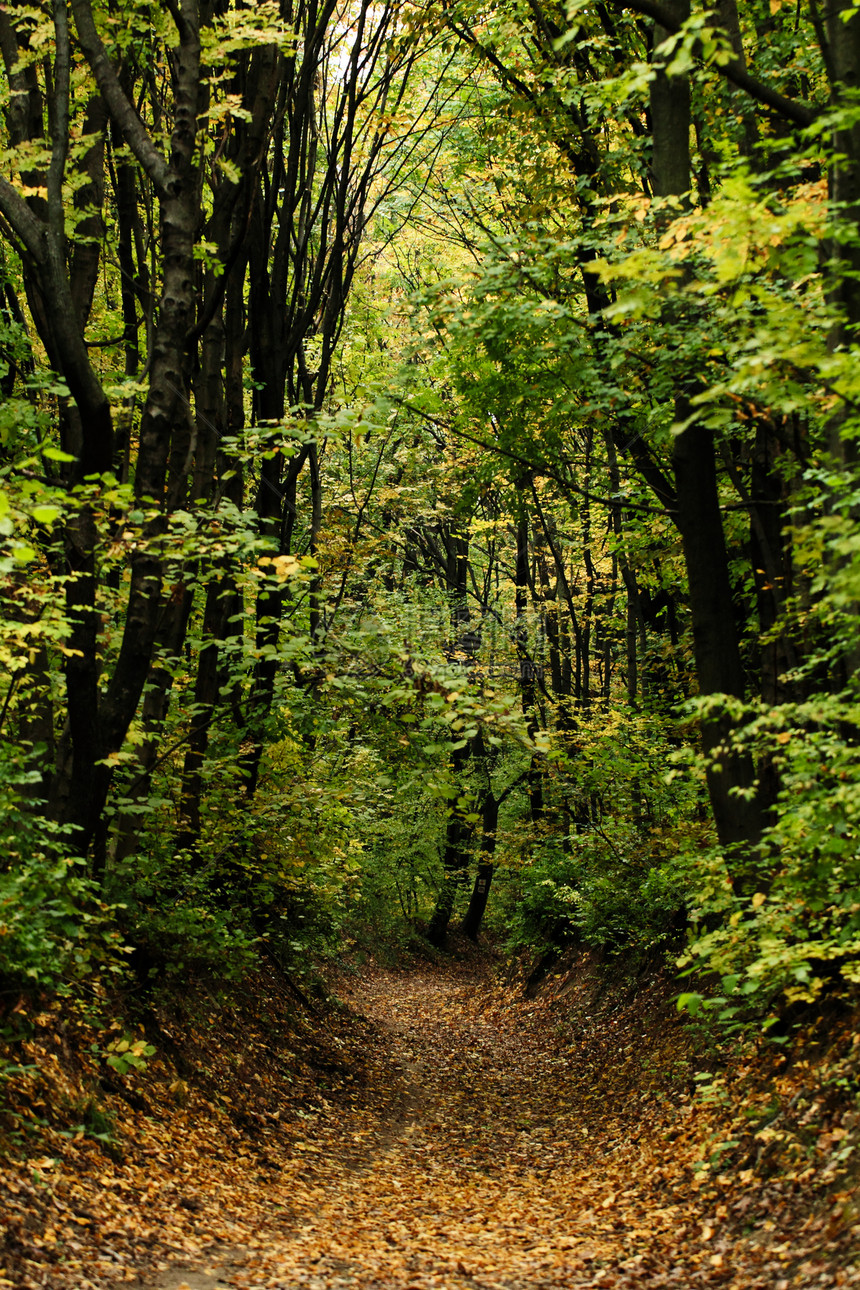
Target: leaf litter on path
467 1139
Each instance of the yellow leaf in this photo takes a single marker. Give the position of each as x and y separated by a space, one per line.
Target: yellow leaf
285 566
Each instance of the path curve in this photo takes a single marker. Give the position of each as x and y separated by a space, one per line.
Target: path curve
495 1147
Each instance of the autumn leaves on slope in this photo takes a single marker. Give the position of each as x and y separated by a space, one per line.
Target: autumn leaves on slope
456 1135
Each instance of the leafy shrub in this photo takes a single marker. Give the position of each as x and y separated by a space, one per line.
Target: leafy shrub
53 929
784 919
182 919
612 892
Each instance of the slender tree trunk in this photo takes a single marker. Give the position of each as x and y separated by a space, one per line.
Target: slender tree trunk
166 407
474 917
842 31
527 657
731 774
455 862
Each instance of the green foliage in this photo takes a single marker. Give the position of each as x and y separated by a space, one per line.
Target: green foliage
182 919
128 1053
619 881
452 576
788 921
54 928
610 891
783 923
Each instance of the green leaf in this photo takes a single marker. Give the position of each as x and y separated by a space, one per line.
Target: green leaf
46 514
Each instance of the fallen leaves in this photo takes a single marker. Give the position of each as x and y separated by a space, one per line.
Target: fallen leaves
445 1133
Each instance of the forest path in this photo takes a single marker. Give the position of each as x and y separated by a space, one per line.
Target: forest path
496 1147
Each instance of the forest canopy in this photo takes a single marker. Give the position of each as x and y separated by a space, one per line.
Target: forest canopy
430 485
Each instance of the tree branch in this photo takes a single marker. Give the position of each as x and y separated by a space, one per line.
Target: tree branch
121 109
24 224
734 71
59 122
539 467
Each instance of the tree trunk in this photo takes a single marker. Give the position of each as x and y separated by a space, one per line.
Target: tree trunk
471 924
455 862
731 774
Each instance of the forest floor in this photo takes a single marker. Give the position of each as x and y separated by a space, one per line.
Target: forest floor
438 1129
